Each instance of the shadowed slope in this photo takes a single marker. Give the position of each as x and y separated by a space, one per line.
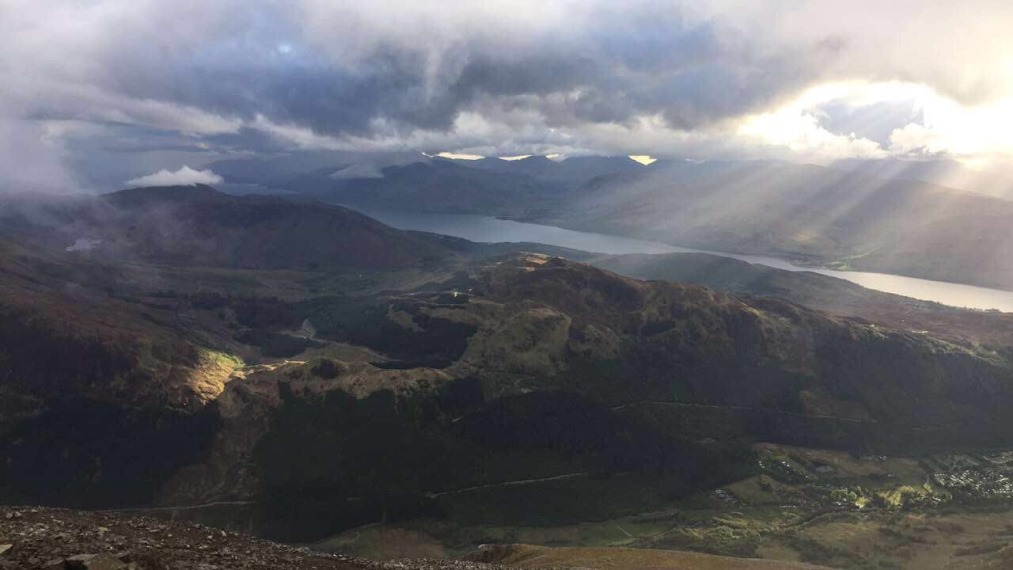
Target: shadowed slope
199 226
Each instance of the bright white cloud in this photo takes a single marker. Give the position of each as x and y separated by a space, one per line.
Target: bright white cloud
946 126
979 132
801 133
185 176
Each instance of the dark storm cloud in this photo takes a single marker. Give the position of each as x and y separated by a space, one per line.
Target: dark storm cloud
247 139
103 156
645 60
197 78
691 74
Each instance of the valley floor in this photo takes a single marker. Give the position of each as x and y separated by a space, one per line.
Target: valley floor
807 506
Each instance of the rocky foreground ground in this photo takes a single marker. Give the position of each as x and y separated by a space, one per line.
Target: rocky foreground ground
59 539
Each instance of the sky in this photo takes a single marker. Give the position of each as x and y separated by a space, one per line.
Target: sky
97 93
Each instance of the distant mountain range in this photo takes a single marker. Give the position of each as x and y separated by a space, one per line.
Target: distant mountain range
325 171
570 172
869 216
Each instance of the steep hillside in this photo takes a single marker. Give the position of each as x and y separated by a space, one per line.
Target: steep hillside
817 291
197 226
541 370
91 382
68 334
708 344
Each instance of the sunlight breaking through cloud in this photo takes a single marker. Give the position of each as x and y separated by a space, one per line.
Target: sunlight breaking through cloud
944 126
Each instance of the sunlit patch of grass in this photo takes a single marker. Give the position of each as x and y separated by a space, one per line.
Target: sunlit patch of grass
222 359
212 372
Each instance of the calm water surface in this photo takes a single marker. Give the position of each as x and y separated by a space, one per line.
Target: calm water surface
489 229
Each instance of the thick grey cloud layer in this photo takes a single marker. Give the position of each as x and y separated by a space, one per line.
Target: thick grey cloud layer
88 85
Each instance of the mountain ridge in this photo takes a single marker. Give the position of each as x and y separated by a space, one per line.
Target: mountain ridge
196 225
